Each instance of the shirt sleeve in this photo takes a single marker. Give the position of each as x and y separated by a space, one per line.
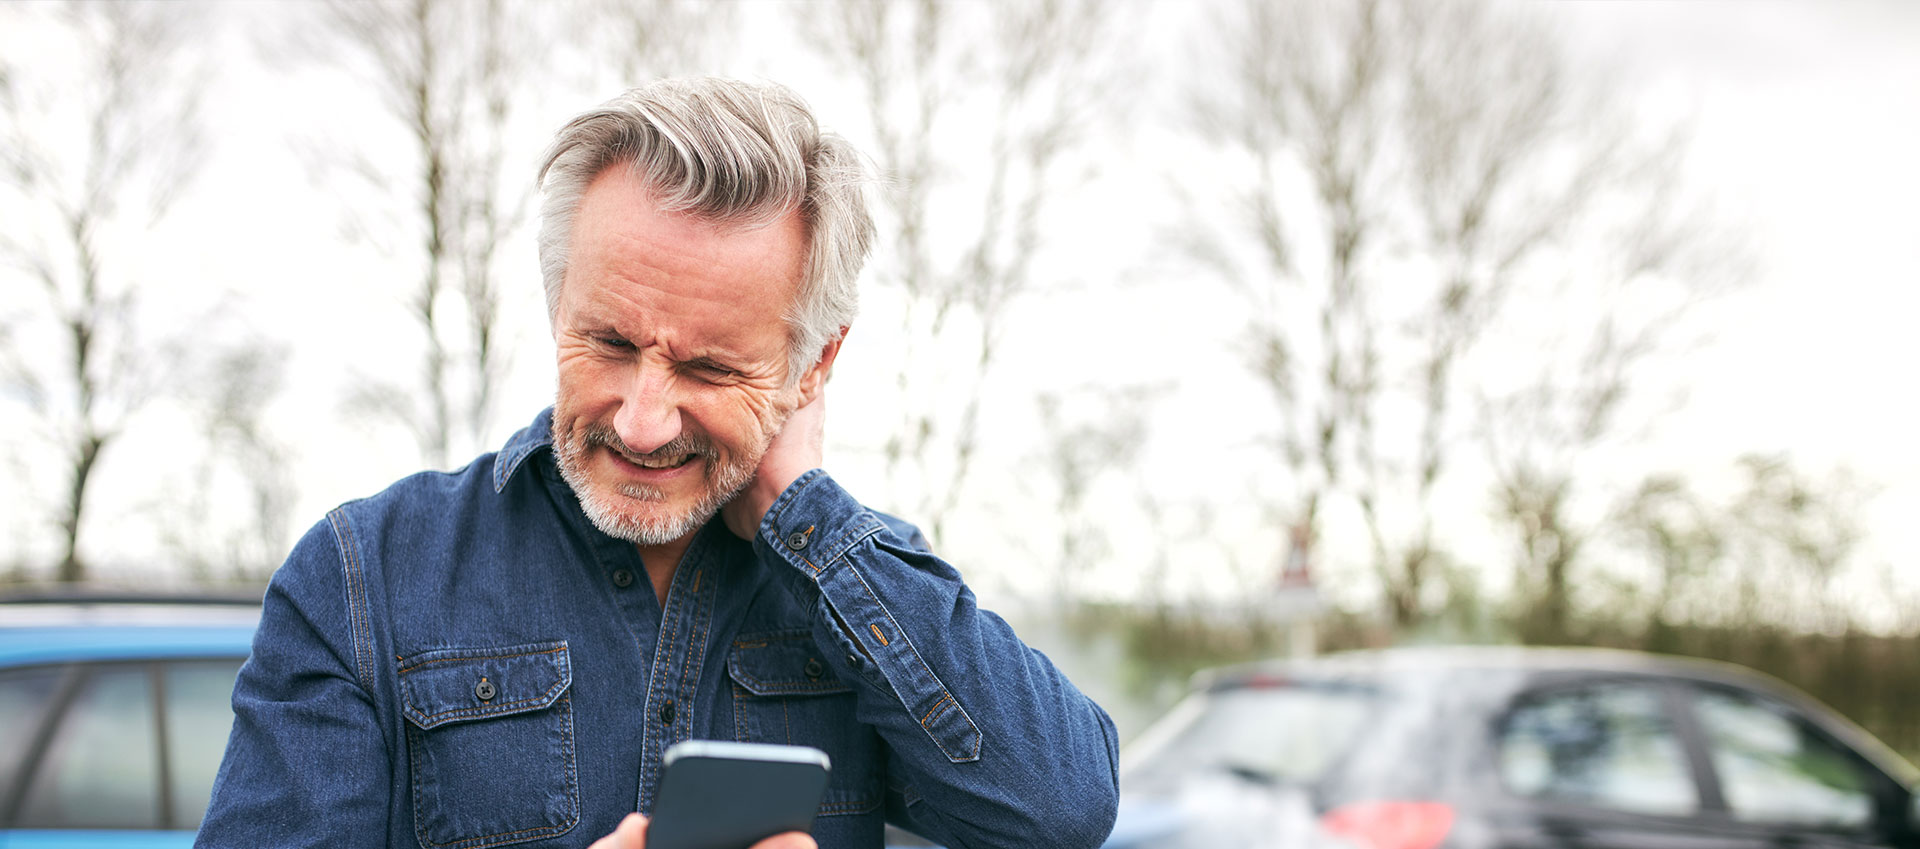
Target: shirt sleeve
306 764
997 747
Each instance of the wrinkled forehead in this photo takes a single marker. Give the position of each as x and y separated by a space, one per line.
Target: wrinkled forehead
628 197
630 254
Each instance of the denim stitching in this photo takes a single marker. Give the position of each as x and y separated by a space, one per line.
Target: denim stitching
939 707
794 689
697 647
428 721
357 613
786 498
504 837
911 649
743 697
761 638
839 547
867 802
739 716
450 655
507 463
763 687
854 533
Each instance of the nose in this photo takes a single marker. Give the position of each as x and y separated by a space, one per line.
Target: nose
649 415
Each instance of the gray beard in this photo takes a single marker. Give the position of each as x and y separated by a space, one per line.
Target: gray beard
723 483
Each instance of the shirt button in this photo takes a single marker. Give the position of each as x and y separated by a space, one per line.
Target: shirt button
814 669
853 659
797 540
666 713
623 578
484 690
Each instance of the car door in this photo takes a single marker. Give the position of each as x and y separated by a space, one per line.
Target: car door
112 754
1778 779
1599 763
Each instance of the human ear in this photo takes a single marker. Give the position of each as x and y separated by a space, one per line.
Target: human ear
816 377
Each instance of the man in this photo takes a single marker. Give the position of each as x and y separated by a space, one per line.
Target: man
499 655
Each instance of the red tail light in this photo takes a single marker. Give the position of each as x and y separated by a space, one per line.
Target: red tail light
1391 825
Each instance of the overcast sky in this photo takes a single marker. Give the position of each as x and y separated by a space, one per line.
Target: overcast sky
1807 125
1806 120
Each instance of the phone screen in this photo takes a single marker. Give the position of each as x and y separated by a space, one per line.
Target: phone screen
724 795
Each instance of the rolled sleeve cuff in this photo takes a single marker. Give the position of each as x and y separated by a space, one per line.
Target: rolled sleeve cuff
814 523
813 527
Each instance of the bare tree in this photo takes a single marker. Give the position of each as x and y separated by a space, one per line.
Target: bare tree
449 73
973 108
453 75
1775 552
1400 170
89 165
1592 383
1299 116
1794 538
649 38
1092 438
228 518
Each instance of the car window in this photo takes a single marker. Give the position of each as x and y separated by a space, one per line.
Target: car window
23 697
198 715
1284 734
1608 746
1774 768
100 769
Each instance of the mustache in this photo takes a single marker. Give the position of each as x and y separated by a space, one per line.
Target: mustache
603 435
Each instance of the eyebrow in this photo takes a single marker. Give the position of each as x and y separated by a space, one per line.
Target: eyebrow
591 318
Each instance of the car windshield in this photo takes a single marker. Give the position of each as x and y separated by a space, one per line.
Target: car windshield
1267 733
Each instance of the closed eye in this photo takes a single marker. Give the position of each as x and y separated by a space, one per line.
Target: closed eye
711 371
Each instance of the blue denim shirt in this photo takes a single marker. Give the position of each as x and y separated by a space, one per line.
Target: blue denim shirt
464 661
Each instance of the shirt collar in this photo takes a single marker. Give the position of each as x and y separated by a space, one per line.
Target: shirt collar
513 455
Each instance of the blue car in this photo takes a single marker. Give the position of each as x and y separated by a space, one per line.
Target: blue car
114 713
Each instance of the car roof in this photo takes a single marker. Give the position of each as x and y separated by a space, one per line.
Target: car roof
1529 665
62 626
1530 660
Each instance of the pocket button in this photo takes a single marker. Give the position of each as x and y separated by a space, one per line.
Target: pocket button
814 669
485 690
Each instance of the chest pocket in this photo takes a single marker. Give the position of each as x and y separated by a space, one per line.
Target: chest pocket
490 745
784 692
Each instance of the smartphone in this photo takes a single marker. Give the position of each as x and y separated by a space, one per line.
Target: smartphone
716 794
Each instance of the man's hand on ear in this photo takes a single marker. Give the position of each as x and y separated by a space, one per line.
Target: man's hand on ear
796 450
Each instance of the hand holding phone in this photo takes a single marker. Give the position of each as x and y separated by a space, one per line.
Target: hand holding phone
632 834
724 795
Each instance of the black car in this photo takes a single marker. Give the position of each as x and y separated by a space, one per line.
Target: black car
1477 748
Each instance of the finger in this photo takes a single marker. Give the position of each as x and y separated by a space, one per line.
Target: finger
631 834
790 840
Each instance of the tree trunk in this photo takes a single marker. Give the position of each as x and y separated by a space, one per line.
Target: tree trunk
72 571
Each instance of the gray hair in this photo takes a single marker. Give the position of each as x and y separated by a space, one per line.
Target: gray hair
735 153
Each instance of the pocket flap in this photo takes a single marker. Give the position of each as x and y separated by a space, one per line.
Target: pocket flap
782 663
456 685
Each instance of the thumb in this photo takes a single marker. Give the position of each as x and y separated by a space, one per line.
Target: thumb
632 834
